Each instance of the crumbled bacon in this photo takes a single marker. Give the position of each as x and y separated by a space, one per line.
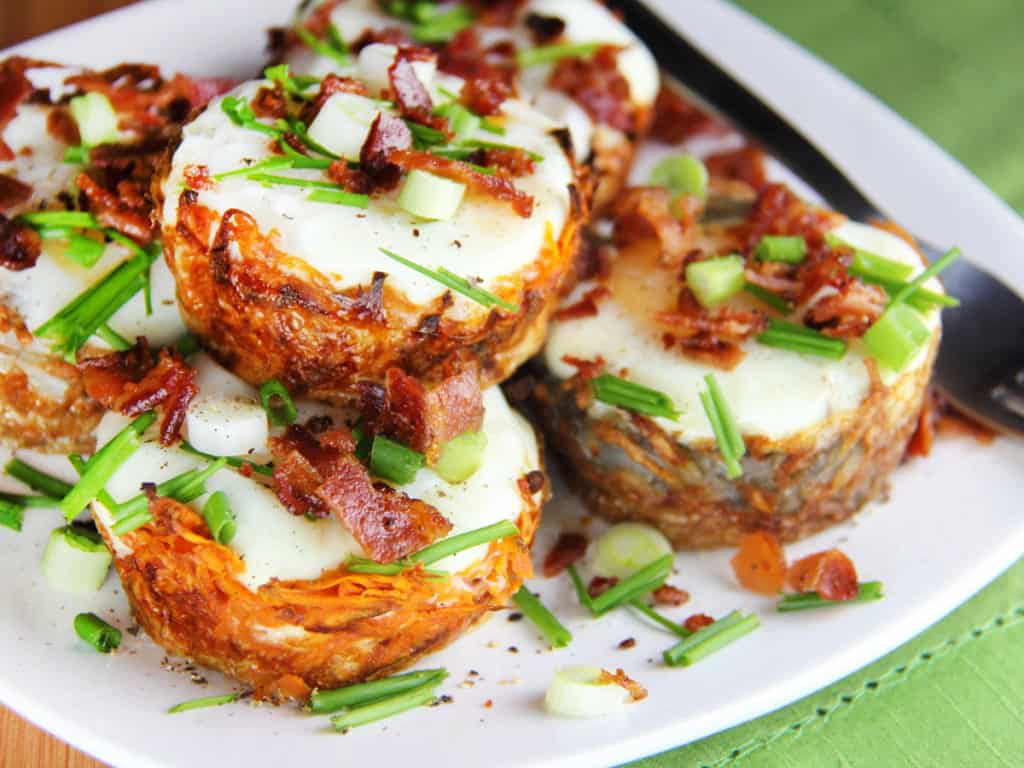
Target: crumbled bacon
330 85
20 245
587 369
830 573
601 584
568 548
666 594
465 57
410 94
676 119
423 418
127 216
388 135
316 472
697 621
13 192
137 380
710 335
62 126
849 312
512 162
636 691
585 307
760 564
745 164
644 212
544 29
270 101
496 186
15 87
496 13
198 177
484 96
596 84
348 178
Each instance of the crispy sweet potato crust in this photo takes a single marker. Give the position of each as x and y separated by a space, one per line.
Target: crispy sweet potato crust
630 469
265 313
337 629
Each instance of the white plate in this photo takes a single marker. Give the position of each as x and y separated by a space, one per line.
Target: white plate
952 524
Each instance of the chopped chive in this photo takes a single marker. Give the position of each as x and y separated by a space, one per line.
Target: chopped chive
450 546
543 619
657 618
481 144
442 27
76 155
80 465
298 128
206 701
711 638
714 280
461 121
38 481
867 591
12 515
270 164
34 502
233 461
97 633
490 126
84 249
634 397
69 219
732 432
549 54
277 403
339 197
788 249
724 437
394 462
897 337
774 301
296 85
184 488
290 181
326 47
871 266
219 517
424 136
104 464
910 288
922 299
581 589
239 111
458 284
799 338
326 702
378 710
647 579
113 338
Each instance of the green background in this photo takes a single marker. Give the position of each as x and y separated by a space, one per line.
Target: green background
953 696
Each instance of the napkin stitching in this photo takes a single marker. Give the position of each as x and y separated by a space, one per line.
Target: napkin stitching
893 676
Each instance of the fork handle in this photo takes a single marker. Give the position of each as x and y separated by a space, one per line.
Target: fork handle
712 84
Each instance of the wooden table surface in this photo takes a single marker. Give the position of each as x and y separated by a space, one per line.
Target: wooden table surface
22 745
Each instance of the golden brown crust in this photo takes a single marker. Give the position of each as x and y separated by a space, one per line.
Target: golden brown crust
266 314
331 631
612 160
630 469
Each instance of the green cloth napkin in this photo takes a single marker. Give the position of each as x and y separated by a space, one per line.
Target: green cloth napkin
954 695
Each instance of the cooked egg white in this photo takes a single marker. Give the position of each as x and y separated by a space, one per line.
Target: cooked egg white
278 545
774 393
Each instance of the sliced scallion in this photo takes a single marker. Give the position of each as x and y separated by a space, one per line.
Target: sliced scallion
581 589
461 457
657 618
723 425
394 462
53 487
277 403
383 708
482 144
113 338
625 548
219 517
800 338
458 284
549 54
875 267
713 281
867 591
683 174
339 197
332 45
922 299
239 111
295 85
897 337
203 703
914 285
96 118
76 155
774 301
266 470
613 390
97 633
543 619
442 27
68 219
461 121
647 579
12 514
75 560
788 249
183 488
326 702
711 638
430 197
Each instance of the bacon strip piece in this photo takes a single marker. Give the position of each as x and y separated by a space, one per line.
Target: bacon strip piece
596 84
760 564
20 245
137 380
115 211
388 134
14 89
830 573
424 419
496 186
644 212
411 95
568 548
316 472
13 192
636 691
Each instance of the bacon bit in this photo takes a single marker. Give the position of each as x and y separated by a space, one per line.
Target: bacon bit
62 126
137 380
116 212
388 35
848 313
710 335
625 645
636 691
496 186
270 102
488 704
315 472
465 57
320 18
534 481
14 88
424 419
697 621
745 164
545 29
596 84
568 548
13 192
496 13
20 245
830 573
588 369
760 564
601 584
198 177
388 134
644 212
330 85
676 119
666 594
199 90
484 96
781 285
512 162
411 95
585 307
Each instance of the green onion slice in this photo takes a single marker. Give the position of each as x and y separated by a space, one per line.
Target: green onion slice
647 579
713 281
97 633
549 54
897 337
326 702
461 457
800 338
46 484
442 27
75 560
723 425
871 266
788 249
267 470
295 85
657 618
332 46
12 514
867 591
914 285
277 403
711 638
394 462
219 517
625 548
683 174
239 111
543 619
203 703
774 301
458 284
613 390
184 488
383 708
339 197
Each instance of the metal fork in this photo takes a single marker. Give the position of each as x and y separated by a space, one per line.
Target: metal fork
980 366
